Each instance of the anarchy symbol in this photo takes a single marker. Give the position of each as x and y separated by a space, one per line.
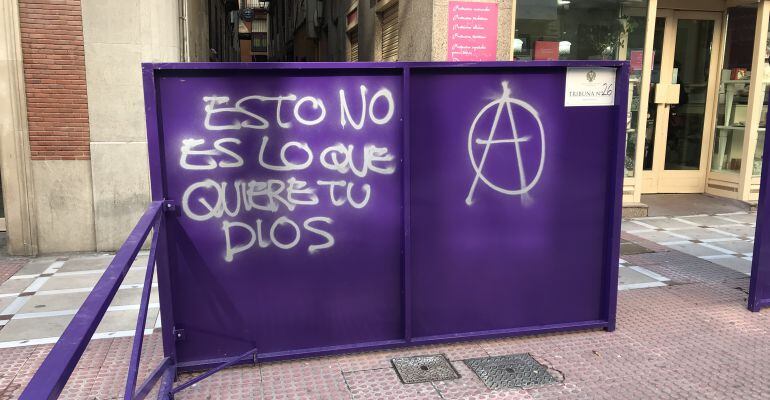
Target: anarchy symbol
504 103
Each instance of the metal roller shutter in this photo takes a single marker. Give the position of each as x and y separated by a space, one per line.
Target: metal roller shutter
354 45
390 34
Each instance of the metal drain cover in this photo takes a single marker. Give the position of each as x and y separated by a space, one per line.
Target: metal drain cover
424 369
510 372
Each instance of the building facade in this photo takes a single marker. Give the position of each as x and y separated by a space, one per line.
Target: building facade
252 30
698 95
73 153
73 162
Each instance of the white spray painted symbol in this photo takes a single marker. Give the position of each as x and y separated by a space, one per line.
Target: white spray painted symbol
504 102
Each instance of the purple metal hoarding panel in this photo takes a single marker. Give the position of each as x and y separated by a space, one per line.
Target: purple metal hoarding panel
311 207
527 227
759 287
353 213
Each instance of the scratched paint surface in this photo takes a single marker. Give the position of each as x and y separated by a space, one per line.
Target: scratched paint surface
290 233
290 217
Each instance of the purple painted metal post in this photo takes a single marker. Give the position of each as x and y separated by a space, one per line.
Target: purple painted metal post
50 378
141 320
759 287
167 383
156 153
615 200
153 378
407 243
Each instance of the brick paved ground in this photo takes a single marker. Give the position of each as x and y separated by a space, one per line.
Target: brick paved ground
692 338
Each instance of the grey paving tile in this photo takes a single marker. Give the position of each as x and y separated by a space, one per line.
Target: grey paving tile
628 276
73 301
34 328
694 249
735 264
5 301
749 218
15 285
85 263
116 321
631 225
740 230
49 327
58 282
702 234
666 223
737 246
658 236
705 220
36 266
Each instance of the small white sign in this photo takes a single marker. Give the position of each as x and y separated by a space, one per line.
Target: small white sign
587 87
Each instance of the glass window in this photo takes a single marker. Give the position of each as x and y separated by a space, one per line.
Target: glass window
259 41
734 90
574 30
692 61
587 30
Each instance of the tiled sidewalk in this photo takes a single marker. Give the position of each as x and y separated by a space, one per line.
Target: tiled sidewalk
40 299
694 341
684 333
724 239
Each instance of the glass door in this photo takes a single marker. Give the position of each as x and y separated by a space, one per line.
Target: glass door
681 108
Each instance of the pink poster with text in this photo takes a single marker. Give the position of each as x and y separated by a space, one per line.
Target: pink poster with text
472 31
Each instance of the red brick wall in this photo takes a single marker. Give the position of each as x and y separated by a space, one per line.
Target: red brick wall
55 77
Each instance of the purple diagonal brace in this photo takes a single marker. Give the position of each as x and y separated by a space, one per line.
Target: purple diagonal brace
136 350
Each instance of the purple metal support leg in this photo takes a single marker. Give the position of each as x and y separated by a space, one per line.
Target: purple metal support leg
167 383
136 351
149 383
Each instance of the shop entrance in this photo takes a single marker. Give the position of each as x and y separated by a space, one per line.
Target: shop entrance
683 81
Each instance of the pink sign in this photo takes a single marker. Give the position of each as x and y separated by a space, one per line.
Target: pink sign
472 31
637 59
546 50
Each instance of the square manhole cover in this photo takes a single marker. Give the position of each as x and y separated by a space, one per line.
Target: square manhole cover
424 369
510 372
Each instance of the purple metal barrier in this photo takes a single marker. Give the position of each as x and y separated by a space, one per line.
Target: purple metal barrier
322 208
759 288
333 207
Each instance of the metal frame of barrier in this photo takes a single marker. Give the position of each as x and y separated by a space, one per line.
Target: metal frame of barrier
759 287
53 374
